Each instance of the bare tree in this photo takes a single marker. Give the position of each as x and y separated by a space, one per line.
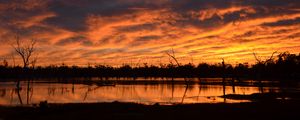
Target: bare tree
178 64
258 59
25 51
173 57
259 69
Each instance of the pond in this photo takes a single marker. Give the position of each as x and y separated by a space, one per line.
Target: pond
30 93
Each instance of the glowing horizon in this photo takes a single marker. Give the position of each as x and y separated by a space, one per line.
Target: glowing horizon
77 32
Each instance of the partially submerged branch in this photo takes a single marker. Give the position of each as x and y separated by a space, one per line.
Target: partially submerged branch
178 64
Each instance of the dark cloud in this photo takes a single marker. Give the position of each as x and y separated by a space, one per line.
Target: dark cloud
246 34
68 17
218 47
186 15
272 3
104 51
72 14
79 39
207 4
187 5
283 22
137 28
144 40
234 52
105 40
137 25
148 38
293 36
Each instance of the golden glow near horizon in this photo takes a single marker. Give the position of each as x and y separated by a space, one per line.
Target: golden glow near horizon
77 32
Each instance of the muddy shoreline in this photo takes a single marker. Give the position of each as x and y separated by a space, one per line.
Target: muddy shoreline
129 111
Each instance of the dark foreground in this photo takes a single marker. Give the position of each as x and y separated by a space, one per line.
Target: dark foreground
131 111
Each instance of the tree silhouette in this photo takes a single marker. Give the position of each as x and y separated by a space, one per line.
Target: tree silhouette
173 57
25 51
259 61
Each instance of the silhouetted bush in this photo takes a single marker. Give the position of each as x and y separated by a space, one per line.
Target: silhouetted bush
285 66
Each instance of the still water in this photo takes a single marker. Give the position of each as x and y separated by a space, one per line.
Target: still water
33 92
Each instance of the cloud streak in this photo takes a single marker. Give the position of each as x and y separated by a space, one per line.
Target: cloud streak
118 31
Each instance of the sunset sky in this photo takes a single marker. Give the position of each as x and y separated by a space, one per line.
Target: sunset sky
113 32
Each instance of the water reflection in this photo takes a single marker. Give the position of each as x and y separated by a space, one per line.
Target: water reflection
32 93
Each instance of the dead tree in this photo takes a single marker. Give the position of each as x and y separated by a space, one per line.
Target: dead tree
178 64
259 61
25 51
261 64
223 78
173 57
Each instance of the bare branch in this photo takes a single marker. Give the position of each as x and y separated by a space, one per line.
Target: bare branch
173 57
25 51
271 57
267 60
256 58
173 52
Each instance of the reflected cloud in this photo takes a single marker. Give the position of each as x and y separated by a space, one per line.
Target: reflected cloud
34 93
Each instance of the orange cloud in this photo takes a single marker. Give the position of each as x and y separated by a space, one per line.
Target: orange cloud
125 31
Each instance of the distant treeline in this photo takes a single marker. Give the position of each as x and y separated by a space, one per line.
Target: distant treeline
284 66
